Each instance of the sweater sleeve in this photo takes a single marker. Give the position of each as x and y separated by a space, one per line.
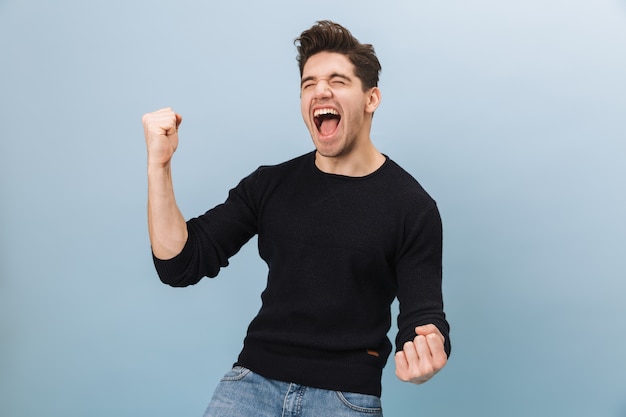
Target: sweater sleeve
419 277
213 238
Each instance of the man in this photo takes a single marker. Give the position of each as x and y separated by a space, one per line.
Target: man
343 229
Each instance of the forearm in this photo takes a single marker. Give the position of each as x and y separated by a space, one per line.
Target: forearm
419 276
166 224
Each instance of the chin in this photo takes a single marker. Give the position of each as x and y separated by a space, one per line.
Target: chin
327 149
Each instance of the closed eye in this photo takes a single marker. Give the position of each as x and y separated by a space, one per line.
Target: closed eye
339 79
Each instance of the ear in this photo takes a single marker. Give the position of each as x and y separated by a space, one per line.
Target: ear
373 100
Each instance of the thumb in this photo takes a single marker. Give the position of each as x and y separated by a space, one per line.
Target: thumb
427 329
179 120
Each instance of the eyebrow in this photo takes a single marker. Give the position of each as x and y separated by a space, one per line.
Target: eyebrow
333 75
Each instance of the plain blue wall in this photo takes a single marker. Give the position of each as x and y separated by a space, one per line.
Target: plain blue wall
511 114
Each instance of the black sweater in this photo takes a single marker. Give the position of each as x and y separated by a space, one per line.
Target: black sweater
339 250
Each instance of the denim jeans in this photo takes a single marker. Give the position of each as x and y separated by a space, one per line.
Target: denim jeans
242 393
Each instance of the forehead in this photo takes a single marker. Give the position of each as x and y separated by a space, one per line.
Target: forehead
324 64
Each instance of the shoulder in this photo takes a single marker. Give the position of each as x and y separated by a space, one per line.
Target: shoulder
404 185
291 166
266 179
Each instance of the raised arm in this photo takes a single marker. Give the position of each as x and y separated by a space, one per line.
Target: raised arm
166 224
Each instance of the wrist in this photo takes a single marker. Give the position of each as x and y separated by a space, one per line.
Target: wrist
159 167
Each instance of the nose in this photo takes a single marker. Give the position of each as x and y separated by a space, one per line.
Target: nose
322 89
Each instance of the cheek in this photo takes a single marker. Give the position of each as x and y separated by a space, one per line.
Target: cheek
304 110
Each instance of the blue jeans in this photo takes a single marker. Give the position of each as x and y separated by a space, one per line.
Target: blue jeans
242 393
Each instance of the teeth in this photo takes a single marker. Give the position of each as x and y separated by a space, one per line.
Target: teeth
320 112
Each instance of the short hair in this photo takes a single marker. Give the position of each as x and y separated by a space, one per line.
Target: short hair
327 36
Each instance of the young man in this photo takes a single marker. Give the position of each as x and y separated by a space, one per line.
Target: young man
343 229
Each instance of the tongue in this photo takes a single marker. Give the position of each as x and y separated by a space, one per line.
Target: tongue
328 126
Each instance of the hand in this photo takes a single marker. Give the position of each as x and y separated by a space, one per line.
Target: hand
161 132
422 358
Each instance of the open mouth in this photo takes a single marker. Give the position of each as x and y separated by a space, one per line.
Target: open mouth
326 120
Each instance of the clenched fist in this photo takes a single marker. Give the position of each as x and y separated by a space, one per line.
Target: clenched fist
422 358
161 132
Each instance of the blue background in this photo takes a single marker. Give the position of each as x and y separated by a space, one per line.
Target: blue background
510 113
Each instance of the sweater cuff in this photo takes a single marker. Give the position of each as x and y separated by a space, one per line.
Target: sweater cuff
409 334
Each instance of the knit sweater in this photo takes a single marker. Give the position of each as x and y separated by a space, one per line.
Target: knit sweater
339 250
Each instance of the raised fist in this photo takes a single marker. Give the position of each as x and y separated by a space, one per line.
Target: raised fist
161 132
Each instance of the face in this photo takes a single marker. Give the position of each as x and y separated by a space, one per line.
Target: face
334 107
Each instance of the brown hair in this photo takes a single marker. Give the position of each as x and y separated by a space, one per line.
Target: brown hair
327 36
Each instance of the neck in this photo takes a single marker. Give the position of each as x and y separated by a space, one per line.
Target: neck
357 163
